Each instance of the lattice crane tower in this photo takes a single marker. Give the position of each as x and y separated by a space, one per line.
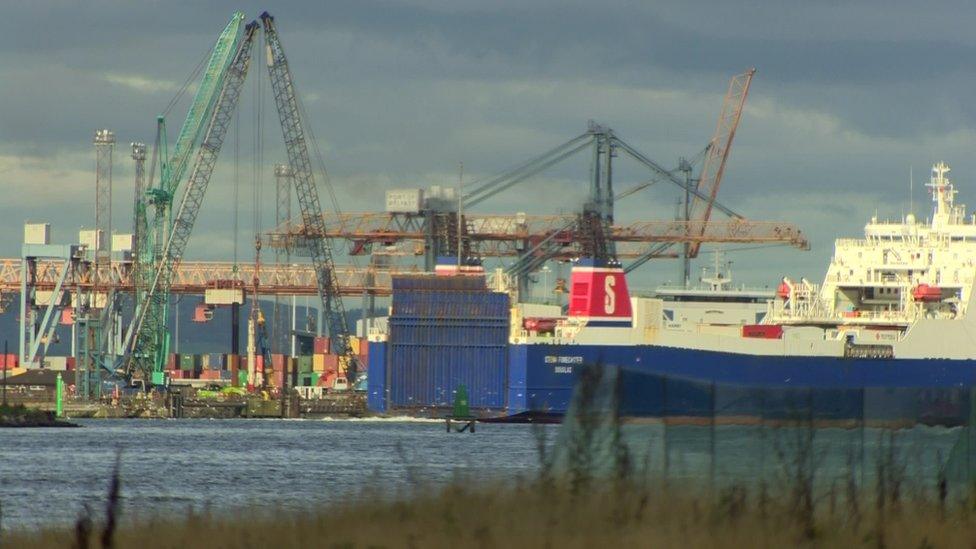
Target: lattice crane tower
104 145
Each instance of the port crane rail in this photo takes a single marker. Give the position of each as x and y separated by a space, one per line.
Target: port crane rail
504 235
195 277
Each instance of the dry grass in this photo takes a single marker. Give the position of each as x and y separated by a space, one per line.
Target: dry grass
541 515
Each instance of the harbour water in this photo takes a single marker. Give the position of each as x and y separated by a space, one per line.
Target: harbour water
169 466
238 466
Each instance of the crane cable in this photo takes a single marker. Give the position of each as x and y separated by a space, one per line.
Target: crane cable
327 182
237 182
186 84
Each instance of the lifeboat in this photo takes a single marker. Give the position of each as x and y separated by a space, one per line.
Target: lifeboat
783 290
537 324
927 294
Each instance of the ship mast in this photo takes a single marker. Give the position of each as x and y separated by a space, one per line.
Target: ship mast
943 195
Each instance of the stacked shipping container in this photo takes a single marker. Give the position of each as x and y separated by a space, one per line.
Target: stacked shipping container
445 331
323 367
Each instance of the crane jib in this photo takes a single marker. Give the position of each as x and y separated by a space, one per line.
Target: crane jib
149 330
289 115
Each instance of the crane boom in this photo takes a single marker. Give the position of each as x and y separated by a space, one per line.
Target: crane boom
152 235
150 348
320 249
718 152
204 101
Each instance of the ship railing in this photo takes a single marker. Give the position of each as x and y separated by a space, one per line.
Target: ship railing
854 243
844 317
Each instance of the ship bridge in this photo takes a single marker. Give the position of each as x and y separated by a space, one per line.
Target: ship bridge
899 271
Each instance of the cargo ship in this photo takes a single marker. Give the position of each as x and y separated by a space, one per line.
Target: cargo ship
889 330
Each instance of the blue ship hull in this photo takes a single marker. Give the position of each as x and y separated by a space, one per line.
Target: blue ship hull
668 381
537 383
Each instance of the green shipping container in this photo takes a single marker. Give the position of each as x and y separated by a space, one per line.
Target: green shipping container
308 379
188 363
242 378
305 363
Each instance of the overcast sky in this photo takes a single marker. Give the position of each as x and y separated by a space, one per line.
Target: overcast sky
848 96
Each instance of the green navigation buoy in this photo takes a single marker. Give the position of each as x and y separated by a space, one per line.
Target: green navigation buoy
462 411
461 408
59 395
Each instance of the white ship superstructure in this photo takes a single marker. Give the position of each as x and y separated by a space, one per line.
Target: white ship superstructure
898 273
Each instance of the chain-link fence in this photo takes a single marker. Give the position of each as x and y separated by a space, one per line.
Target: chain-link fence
917 440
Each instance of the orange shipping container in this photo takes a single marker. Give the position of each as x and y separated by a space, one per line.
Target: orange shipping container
276 378
331 363
318 362
8 361
320 345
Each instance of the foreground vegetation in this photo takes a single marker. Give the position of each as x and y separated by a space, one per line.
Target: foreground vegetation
544 513
592 490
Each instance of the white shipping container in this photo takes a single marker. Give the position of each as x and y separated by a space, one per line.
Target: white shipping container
94 239
404 200
214 296
123 242
37 233
96 301
379 324
59 363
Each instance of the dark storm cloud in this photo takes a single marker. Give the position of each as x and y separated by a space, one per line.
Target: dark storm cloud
848 94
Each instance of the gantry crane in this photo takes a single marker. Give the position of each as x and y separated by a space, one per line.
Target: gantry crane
320 249
700 195
210 116
718 153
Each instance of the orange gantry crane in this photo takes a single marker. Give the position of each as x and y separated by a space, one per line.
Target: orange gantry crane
508 235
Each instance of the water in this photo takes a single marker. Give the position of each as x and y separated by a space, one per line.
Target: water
168 466
46 475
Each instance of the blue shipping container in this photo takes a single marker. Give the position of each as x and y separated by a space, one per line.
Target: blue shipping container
376 391
428 376
441 283
441 339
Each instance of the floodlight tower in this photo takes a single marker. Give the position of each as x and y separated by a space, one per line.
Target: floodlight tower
283 184
104 145
138 208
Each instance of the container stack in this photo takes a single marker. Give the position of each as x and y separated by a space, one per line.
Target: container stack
445 331
324 366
